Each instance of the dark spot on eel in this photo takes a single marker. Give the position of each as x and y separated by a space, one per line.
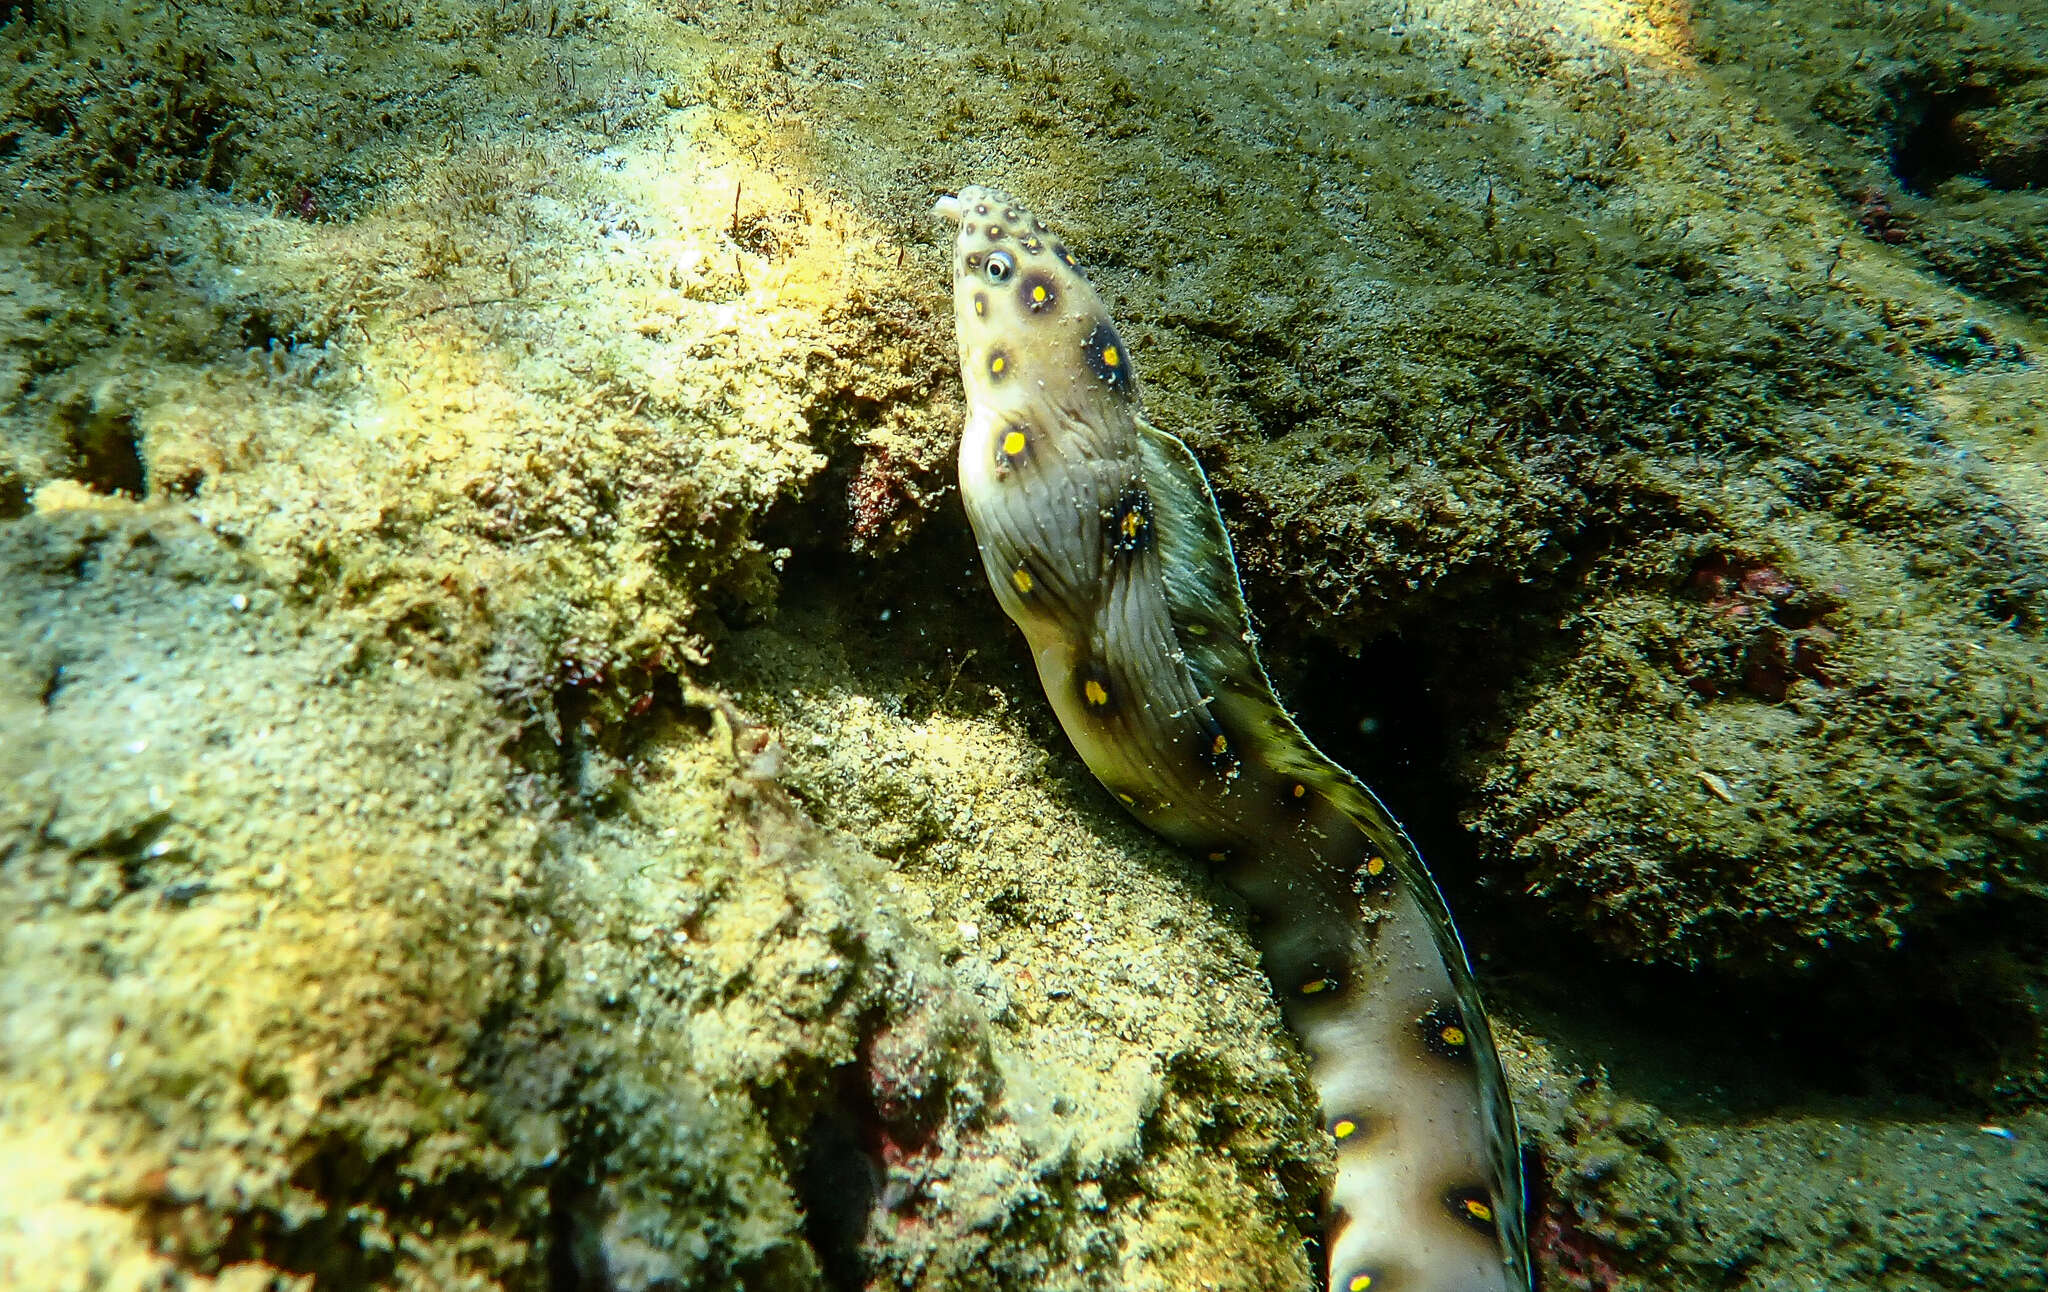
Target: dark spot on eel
1130 523
1215 750
1443 1032
1038 293
1104 353
1095 689
1472 1206
1012 447
1375 875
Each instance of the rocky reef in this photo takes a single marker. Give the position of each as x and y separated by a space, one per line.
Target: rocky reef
509 777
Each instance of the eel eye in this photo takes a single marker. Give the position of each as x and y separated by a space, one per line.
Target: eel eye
1000 266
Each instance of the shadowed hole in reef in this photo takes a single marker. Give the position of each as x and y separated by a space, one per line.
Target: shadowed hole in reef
1957 1021
1705 1046
1380 718
14 493
106 456
564 1275
1931 148
837 1180
576 1219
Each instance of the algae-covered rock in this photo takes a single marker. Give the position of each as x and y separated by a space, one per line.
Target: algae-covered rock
294 993
509 776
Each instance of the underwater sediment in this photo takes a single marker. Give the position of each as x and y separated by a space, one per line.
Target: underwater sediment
510 778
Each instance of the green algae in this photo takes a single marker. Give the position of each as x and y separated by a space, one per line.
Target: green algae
413 408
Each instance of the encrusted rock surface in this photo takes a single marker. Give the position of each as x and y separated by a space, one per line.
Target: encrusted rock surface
509 777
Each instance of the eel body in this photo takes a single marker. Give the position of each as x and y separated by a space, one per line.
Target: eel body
1103 542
